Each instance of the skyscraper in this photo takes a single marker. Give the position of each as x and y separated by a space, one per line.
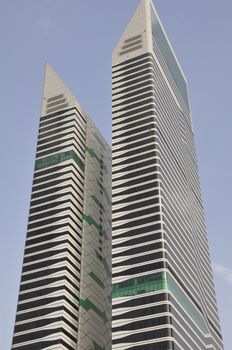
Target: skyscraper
163 291
65 291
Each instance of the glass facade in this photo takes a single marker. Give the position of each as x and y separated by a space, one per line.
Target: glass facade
169 57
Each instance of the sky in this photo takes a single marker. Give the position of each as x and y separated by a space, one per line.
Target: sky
77 38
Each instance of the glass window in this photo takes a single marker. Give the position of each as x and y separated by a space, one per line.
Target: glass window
169 57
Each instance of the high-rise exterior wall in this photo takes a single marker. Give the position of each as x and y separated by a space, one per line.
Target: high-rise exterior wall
162 288
64 299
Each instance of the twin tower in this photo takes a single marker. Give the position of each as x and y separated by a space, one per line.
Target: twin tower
116 254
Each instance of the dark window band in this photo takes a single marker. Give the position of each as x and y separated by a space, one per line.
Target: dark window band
136 137
140 249
140 269
144 300
142 336
131 190
151 322
139 196
140 259
139 240
137 214
137 205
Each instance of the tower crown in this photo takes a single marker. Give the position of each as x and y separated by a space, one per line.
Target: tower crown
136 39
145 34
56 95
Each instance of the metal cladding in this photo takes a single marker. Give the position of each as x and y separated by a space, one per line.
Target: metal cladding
65 291
162 290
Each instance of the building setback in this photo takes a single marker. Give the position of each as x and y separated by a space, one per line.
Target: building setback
163 291
65 290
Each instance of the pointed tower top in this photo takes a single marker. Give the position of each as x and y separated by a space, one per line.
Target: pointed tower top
137 37
56 95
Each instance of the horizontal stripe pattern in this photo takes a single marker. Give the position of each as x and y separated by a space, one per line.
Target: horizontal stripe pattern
157 215
52 258
64 298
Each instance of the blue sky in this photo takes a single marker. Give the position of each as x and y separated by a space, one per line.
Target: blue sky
77 38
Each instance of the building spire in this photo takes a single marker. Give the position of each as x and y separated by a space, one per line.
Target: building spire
136 38
55 89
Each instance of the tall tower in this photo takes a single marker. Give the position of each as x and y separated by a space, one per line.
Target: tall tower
163 291
65 291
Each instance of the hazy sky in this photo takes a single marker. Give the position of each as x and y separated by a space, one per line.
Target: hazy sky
77 38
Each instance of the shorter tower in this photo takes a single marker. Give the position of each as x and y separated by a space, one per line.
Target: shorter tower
65 290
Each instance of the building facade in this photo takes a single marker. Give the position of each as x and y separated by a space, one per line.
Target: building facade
163 295
65 290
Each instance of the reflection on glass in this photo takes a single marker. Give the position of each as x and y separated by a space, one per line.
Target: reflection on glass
169 57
